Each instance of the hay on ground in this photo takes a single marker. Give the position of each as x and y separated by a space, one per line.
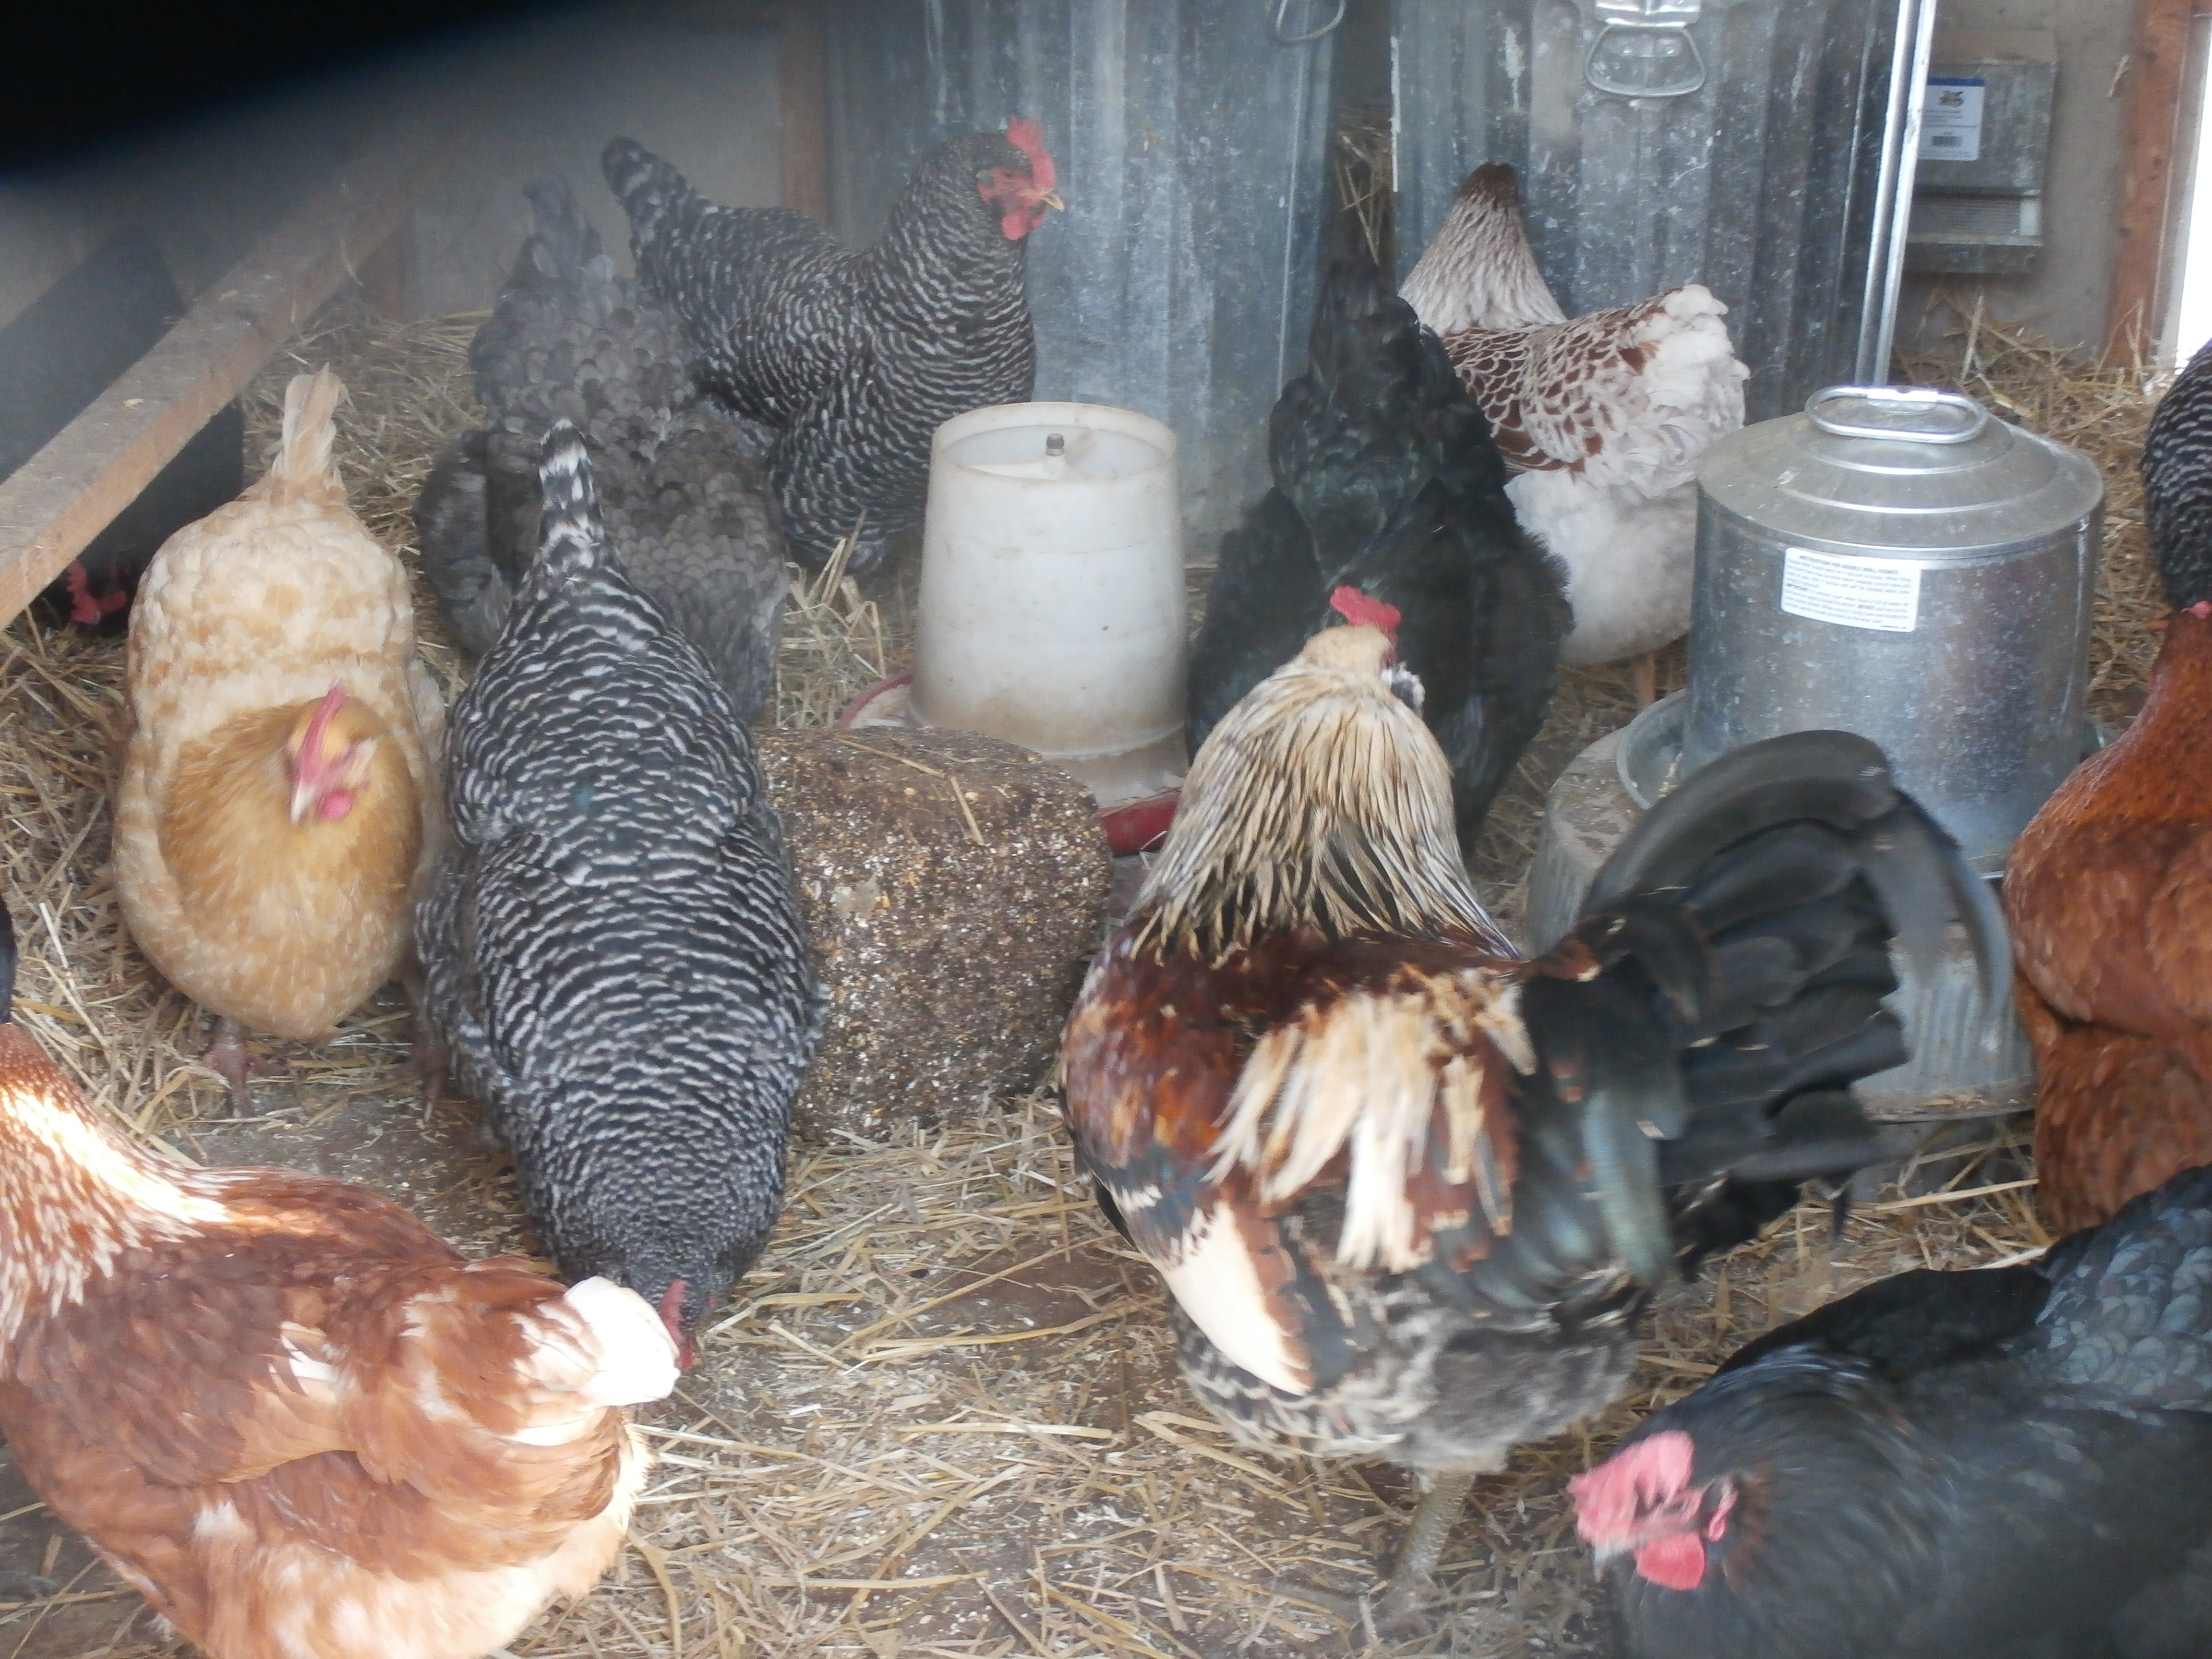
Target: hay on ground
942 1416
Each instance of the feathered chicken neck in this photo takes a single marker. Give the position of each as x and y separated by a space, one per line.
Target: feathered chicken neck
1319 803
1478 272
74 1194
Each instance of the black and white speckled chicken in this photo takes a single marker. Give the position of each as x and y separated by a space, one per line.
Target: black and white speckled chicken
855 357
1410 1192
1386 480
679 479
1978 1465
1602 418
612 945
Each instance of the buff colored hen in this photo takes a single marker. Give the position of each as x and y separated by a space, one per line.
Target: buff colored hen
280 798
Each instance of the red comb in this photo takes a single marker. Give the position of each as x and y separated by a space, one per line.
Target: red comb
1355 607
1024 133
311 741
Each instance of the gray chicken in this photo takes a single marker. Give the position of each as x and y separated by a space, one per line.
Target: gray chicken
678 477
856 356
612 945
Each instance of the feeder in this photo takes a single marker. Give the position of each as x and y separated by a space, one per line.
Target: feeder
1051 609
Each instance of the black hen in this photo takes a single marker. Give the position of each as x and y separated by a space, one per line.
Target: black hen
1386 480
612 945
1410 1192
855 357
677 480
1945 1466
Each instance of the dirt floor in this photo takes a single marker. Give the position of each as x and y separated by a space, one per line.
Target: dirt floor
942 1417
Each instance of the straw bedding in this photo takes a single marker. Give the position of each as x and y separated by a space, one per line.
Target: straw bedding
942 1417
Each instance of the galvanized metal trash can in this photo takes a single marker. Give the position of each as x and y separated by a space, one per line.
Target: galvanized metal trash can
1896 562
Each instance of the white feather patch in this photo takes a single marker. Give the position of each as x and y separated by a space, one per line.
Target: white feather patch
636 1355
1369 1075
1218 1283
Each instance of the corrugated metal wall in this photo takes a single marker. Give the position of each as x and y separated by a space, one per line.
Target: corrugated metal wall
1759 183
1191 141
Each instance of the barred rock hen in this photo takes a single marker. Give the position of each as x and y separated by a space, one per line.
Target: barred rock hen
1979 1465
1602 418
1410 1193
2110 887
679 483
612 945
302 1425
279 803
1386 480
855 357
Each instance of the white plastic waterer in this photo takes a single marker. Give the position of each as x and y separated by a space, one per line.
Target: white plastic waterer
1051 612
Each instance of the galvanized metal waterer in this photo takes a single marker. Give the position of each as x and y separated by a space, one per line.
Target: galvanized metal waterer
1897 563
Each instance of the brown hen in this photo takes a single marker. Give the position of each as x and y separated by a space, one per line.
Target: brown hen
2110 888
279 800
298 1422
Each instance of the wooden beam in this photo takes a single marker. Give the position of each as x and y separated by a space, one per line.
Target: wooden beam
2150 124
66 494
803 70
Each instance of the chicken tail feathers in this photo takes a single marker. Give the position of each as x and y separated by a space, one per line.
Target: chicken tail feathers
7 966
651 192
1724 988
303 467
572 537
561 238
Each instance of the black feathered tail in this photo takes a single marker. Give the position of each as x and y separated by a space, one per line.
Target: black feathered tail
1743 931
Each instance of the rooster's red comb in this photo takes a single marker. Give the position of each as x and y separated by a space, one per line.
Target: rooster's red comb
1355 607
1024 133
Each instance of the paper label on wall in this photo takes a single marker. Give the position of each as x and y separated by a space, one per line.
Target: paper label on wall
1834 588
1951 119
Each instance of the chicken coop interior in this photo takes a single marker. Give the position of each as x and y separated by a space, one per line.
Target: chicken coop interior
821 847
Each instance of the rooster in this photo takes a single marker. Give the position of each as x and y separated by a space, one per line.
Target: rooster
1945 1466
1602 418
2110 887
855 358
1410 1193
678 483
279 798
299 1424
612 945
1386 480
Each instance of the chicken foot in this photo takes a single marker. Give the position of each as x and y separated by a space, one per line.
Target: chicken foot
1392 1604
229 1058
433 1060
1412 1579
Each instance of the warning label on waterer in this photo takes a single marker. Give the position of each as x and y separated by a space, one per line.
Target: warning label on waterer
1834 588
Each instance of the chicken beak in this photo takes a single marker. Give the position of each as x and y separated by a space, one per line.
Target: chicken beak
303 800
1051 199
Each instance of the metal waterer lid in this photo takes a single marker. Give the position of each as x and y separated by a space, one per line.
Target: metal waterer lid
1907 471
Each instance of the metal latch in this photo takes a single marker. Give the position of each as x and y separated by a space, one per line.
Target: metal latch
1644 49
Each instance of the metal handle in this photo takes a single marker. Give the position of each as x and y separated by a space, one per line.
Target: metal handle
1907 398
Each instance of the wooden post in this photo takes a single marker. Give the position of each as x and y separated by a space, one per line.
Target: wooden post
2150 125
803 69
66 494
